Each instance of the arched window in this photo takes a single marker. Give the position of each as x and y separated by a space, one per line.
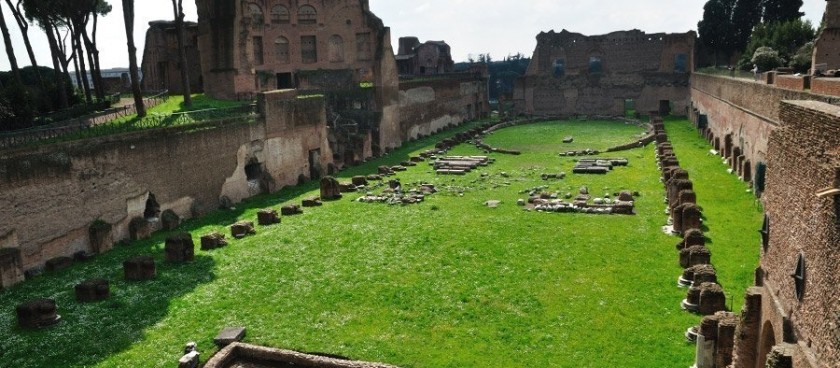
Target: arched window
281 45
256 13
336 51
280 14
307 15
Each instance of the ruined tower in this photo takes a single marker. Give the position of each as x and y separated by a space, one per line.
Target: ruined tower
825 48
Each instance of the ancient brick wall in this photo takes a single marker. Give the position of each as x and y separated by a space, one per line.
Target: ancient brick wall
826 86
161 63
825 54
428 106
742 112
803 159
52 194
792 82
574 74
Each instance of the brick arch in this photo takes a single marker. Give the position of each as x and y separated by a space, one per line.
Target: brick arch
766 343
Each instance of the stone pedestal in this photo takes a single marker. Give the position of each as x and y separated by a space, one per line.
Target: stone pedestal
139 229
747 332
37 313
180 248
139 268
11 271
189 360
213 240
267 217
691 217
712 299
330 189
242 229
93 291
687 196
169 220
692 237
291 210
100 237
360 181
312 202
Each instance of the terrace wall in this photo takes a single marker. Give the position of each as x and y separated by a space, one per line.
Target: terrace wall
50 195
428 106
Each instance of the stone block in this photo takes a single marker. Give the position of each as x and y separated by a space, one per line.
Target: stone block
11 271
291 210
213 240
267 217
189 360
93 290
242 229
625 196
59 263
180 248
687 196
698 255
100 236
347 188
692 237
169 220
37 314
139 228
312 202
360 181
228 336
139 268
330 189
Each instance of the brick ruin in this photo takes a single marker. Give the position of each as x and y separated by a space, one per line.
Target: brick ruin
828 41
428 58
338 49
792 315
161 66
575 74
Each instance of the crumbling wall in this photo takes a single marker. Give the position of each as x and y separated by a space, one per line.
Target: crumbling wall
429 106
575 74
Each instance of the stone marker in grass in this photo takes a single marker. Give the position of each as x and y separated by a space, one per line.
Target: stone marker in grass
93 290
139 268
180 248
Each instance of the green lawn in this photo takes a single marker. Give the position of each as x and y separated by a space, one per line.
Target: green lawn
446 283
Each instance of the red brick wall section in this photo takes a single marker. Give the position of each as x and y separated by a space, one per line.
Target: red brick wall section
803 158
826 86
791 82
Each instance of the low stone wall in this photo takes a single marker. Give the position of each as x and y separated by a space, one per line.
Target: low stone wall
793 82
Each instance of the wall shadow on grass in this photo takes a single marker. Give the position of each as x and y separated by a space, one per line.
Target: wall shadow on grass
90 332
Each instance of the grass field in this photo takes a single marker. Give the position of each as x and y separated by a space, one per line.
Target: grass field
445 283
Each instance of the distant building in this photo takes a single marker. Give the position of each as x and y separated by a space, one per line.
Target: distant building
429 58
161 63
575 74
116 80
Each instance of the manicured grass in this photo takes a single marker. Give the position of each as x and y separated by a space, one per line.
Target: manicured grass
446 283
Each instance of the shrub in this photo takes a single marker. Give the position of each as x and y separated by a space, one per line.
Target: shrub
767 58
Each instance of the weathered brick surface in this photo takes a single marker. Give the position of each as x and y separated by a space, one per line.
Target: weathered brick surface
792 82
634 65
826 86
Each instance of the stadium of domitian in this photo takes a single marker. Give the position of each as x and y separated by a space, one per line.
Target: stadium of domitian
368 205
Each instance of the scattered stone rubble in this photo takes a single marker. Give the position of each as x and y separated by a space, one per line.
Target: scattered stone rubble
459 165
541 200
396 195
598 165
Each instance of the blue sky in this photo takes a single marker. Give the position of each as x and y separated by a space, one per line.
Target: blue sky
471 27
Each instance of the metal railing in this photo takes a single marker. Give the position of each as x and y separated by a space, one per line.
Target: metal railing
83 129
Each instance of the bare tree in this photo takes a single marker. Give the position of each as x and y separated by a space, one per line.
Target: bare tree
128 17
178 8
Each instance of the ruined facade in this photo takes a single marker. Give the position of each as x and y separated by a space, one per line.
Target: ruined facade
575 74
792 317
337 48
161 65
828 42
429 58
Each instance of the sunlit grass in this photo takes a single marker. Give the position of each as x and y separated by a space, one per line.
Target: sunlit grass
446 283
